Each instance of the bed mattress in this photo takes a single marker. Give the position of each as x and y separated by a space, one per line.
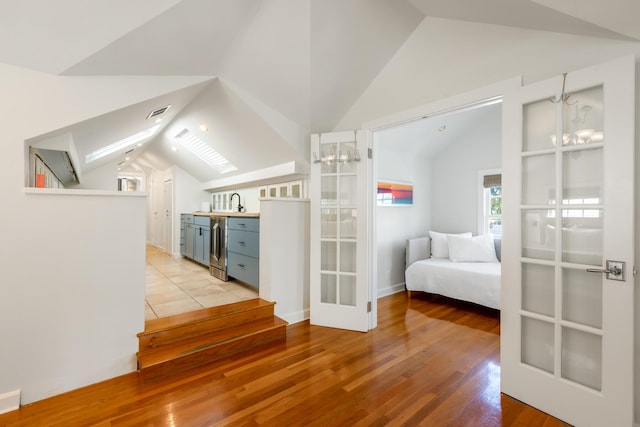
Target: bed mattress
477 282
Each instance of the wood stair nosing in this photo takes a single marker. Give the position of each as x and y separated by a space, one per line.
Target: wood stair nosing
197 352
164 323
219 337
155 339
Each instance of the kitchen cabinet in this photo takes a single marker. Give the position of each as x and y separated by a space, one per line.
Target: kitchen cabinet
186 235
195 237
292 189
243 249
202 239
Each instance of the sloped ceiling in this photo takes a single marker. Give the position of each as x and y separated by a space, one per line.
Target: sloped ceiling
543 15
307 60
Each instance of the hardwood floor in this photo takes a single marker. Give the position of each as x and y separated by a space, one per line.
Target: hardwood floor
431 362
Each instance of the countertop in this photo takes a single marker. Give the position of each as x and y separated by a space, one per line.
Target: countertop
235 214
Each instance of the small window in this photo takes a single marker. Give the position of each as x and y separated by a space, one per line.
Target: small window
490 206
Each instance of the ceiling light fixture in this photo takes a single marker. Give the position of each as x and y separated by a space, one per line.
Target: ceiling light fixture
442 128
204 127
203 151
121 144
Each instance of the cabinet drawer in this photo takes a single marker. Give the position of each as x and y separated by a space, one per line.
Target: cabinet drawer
244 242
186 219
243 268
202 220
248 224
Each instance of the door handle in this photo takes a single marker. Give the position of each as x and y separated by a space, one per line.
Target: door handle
614 270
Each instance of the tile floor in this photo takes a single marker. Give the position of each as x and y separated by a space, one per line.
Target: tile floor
174 286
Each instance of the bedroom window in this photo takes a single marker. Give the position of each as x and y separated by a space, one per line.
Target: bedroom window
490 203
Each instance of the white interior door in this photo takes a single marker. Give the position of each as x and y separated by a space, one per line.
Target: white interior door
340 285
568 171
167 216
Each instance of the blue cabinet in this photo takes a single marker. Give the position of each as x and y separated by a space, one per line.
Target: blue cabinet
202 239
243 249
195 238
186 235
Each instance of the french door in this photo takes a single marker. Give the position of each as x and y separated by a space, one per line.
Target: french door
568 277
340 286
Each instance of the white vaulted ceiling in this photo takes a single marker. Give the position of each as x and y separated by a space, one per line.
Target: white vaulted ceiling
278 68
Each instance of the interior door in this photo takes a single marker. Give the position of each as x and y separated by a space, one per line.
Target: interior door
167 217
340 285
568 172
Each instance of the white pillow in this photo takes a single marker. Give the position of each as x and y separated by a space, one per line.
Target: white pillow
440 244
472 249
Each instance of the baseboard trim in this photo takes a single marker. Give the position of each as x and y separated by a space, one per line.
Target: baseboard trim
295 317
390 290
9 401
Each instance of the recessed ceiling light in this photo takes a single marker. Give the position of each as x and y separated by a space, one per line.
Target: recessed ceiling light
127 158
174 148
158 120
203 127
442 128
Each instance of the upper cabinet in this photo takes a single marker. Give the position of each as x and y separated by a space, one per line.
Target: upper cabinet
293 189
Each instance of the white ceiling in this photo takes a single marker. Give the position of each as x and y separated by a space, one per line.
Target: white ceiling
428 136
307 60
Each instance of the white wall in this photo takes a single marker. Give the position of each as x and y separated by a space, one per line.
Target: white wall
284 257
454 183
72 293
188 197
396 224
102 178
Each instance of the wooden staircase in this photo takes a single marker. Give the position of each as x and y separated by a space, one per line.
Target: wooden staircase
177 343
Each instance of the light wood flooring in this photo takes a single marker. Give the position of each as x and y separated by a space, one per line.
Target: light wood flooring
174 286
430 362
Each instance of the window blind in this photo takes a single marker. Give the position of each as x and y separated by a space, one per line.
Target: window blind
492 180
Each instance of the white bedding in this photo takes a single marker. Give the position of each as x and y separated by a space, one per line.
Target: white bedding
477 282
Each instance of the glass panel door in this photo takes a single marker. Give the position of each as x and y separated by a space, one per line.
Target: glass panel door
562 209
568 183
339 285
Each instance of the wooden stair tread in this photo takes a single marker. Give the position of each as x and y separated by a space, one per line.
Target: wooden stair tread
179 320
218 338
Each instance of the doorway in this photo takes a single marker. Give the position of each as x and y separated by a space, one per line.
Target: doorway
439 157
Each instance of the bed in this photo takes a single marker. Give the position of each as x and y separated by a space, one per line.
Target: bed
476 282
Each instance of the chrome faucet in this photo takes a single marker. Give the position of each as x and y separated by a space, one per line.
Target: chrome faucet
239 205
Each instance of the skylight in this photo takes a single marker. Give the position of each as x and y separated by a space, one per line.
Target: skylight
121 144
203 151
